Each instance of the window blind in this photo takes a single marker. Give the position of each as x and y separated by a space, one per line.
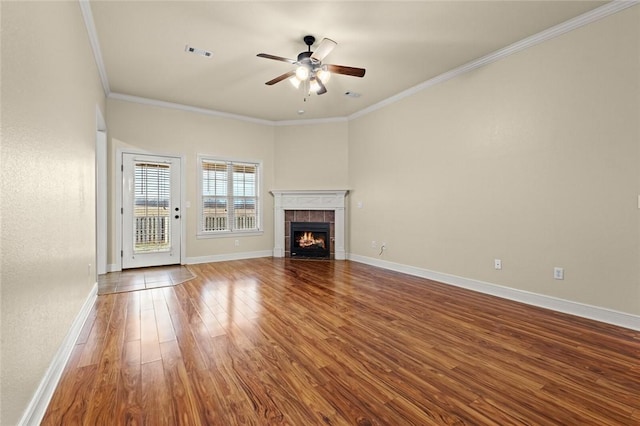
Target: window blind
229 196
151 207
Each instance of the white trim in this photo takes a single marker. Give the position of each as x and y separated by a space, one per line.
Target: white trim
102 193
39 402
227 234
227 257
188 108
259 230
596 313
117 181
183 208
89 23
211 112
555 31
309 200
101 124
284 123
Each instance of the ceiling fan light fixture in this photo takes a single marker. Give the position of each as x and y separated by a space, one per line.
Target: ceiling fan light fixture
324 75
313 85
295 82
302 73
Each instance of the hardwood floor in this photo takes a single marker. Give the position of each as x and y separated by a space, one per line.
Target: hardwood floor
274 341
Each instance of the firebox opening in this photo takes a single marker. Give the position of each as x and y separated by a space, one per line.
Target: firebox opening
310 239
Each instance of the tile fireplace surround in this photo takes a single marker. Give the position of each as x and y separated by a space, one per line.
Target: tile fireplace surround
309 200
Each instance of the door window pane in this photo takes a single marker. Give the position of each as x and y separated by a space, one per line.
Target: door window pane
152 211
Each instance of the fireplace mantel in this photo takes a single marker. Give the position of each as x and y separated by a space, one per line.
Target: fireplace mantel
309 200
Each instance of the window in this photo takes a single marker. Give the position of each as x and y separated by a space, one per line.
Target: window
229 201
152 183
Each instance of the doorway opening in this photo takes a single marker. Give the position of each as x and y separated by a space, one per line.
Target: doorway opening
151 210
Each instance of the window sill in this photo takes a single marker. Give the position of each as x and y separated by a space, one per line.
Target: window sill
228 234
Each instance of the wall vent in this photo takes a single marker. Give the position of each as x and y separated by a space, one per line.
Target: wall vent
196 51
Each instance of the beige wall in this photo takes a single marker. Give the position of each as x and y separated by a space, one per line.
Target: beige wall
313 156
286 152
533 159
174 132
50 89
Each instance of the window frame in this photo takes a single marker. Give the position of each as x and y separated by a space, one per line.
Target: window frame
230 162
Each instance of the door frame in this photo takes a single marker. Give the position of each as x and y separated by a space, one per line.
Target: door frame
118 181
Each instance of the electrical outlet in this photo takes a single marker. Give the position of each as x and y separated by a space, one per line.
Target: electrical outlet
237 243
374 244
558 273
497 263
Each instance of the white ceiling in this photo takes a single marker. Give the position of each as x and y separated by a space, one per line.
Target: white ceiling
401 44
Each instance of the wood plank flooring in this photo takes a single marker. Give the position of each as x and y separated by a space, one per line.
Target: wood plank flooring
277 341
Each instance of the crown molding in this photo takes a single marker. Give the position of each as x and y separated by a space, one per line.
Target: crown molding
311 121
548 34
189 108
89 23
214 113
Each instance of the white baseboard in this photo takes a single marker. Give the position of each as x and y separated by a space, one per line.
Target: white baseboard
38 406
227 256
212 258
596 313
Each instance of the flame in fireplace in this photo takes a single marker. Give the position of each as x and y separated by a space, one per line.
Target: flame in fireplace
307 239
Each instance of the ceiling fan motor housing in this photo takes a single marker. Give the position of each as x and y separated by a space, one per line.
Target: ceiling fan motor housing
309 40
305 57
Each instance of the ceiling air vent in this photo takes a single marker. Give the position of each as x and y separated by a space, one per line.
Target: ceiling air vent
196 51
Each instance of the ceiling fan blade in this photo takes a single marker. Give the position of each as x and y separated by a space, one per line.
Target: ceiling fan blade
325 47
323 88
279 78
341 69
276 58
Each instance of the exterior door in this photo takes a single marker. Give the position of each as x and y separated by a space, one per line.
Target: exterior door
151 228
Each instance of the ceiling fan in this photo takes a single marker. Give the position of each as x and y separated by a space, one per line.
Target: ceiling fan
310 70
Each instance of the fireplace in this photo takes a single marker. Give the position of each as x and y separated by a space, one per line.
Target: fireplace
310 239
307 206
